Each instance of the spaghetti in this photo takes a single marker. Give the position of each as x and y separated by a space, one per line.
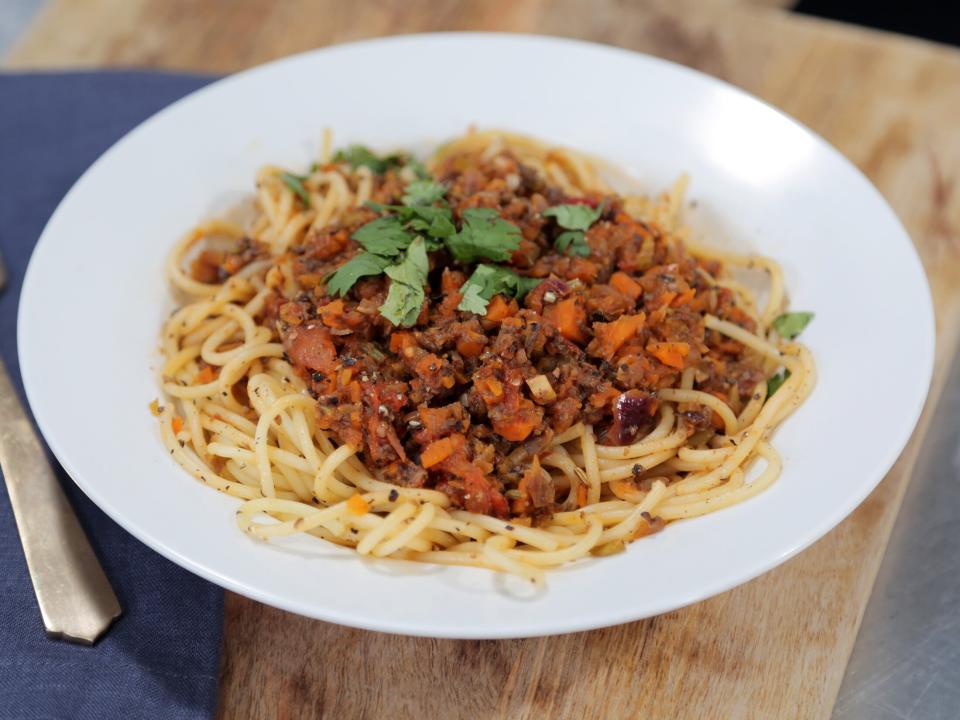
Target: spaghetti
483 419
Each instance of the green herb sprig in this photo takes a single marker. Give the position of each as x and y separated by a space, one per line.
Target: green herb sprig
576 219
397 243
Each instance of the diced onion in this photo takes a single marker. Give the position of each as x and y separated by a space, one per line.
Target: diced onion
541 388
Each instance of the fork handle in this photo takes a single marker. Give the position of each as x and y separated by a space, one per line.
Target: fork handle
75 597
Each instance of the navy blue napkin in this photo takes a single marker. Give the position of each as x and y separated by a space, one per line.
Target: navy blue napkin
161 658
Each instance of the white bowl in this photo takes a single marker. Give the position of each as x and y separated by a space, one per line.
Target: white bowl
95 296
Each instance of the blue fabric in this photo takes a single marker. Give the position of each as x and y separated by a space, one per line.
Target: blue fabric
161 658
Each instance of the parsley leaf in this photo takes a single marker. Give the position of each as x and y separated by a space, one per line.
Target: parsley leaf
407 278
791 324
383 236
575 241
361 156
436 221
419 170
360 265
414 267
484 235
489 280
775 381
473 299
574 217
295 183
423 192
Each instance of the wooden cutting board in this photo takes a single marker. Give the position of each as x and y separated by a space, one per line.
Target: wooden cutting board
773 648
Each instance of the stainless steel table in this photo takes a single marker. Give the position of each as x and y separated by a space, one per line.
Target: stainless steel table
906 661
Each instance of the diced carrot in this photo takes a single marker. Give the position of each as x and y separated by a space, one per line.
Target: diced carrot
665 298
495 387
499 308
357 505
670 353
685 297
176 424
400 341
568 316
626 285
515 429
332 313
429 364
610 336
583 269
438 451
356 392
471 347
204 376
451 281
581 495
308 281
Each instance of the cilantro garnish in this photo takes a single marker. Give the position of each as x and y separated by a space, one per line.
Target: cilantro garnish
435 221
397 244
360 265
419 170
423 192
484 235
791 324
575 219
407 278
295 183
575 241
383 236
489 280
359 156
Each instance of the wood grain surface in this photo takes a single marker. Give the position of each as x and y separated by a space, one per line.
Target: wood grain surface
773 648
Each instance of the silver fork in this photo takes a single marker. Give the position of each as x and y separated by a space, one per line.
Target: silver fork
75 597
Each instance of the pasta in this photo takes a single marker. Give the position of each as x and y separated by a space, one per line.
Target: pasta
248 412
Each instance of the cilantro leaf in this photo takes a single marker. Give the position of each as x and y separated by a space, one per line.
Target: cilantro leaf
473 299
295 183
574 217
407 278
383 236
361 156
791 324
414 267
775 381
423 192
575 241
489 280
403 303
436 221
484 235
360 265
419 170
